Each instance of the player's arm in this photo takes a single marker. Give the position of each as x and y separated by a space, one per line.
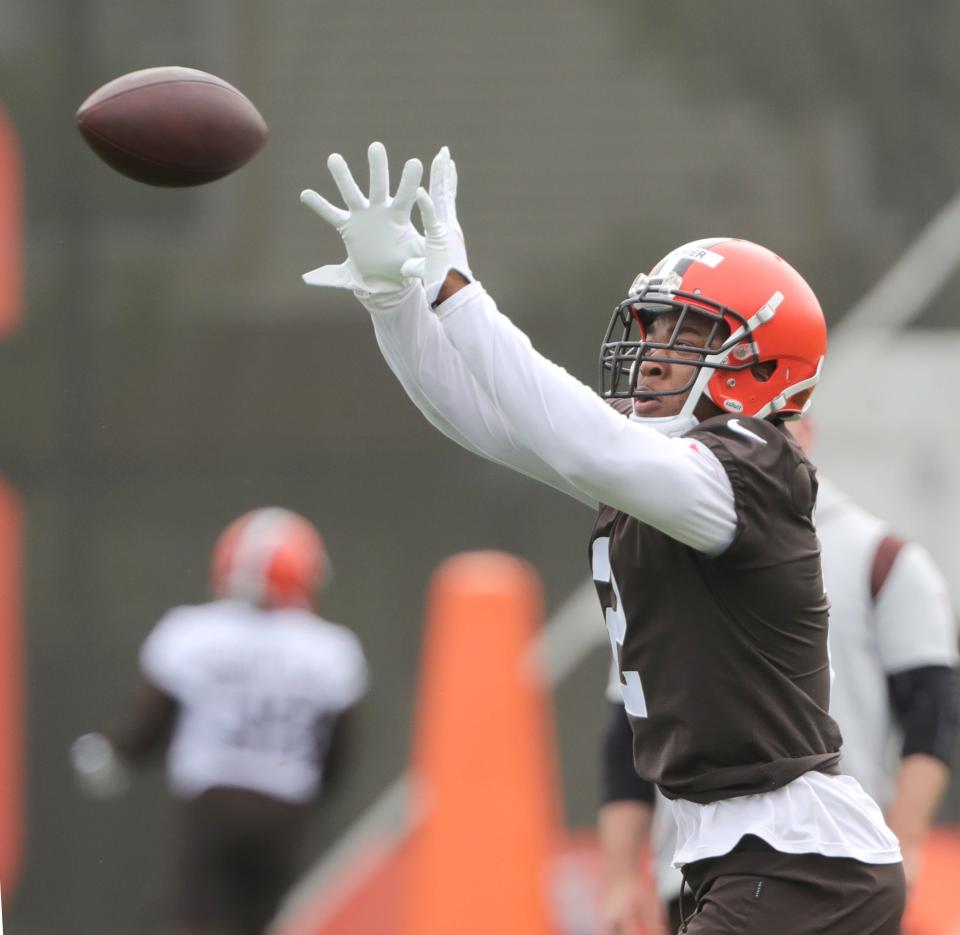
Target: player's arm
624 822
678 487
343 673
917 639
336 743
100 759
673 484
149 725
920 784
924 700
441 386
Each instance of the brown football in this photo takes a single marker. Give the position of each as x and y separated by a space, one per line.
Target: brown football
171 126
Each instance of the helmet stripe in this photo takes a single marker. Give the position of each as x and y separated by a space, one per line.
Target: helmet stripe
678 261
262 533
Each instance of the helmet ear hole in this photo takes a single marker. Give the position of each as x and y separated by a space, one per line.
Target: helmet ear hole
764 370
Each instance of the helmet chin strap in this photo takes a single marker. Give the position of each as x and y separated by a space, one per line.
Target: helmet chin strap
667 425
684 420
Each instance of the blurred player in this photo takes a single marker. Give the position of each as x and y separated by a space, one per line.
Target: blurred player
703 552
246 691
893 646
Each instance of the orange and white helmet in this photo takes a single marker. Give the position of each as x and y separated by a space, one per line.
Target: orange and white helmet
270 557
762 312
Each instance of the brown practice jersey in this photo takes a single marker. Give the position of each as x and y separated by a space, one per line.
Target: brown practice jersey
723 659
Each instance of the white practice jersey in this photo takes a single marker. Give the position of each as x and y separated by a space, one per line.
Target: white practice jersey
257 690
909 624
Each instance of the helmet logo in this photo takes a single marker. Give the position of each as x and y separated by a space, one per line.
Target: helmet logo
743 351
734 405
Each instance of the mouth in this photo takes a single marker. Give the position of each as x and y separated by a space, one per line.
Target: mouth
646 407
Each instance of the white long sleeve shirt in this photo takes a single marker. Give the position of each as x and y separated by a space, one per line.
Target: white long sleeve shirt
476 378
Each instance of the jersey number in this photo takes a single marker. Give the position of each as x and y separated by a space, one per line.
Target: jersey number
630 687
273 725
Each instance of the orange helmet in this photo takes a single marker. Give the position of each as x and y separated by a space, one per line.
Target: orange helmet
270 557
762 312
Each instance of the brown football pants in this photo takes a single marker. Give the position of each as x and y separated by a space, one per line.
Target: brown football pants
755 889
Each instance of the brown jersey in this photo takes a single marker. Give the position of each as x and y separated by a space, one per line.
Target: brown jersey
723 659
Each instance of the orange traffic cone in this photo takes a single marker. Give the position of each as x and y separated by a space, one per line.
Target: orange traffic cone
484 760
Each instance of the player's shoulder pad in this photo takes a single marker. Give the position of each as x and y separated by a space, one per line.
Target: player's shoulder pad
171 642
341 656
186 624
752 449
745 439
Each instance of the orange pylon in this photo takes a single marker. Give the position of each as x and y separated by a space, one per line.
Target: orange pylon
484 762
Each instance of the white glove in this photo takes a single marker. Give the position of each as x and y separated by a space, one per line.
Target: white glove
444 245
378 233
99 771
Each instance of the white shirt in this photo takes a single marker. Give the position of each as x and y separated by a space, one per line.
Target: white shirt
477 378
255 688
909 624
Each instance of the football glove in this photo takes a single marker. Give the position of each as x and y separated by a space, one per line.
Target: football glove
99 770
376 231
444 247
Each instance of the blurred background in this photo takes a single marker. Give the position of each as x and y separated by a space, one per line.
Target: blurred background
171 370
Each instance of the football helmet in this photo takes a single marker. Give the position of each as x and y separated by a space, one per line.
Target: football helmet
270 557
760 310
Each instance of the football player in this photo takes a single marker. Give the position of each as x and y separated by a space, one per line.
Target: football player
893 646
246 692
703 552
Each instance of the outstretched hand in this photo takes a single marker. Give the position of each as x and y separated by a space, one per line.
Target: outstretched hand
376 231
444 247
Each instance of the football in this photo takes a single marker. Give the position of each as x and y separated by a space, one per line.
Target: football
171 126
